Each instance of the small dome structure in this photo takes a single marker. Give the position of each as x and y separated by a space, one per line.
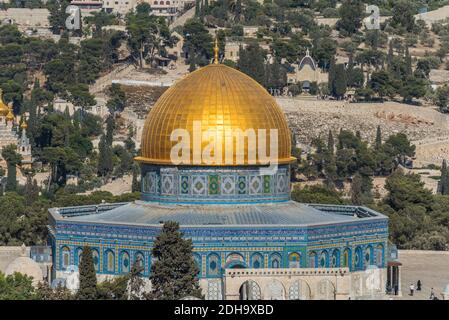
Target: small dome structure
27 266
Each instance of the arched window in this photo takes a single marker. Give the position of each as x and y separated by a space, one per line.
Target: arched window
324 259
65 261
275 261
213 264
162 2
257 261
235 260
109 261
155 2
294 260
96 258
358 259
380 255
312 259
79 254
124 264
335 261
368 255
347 258
139 259
167 3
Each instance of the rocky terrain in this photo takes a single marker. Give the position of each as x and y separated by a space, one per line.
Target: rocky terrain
310 118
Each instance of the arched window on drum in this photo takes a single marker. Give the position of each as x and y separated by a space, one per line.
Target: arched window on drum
294 260
256 261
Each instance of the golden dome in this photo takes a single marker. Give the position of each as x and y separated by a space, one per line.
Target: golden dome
24 125
10 115
3 107
223 100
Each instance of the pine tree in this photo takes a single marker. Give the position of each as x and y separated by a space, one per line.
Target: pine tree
378 143
87 275
174 271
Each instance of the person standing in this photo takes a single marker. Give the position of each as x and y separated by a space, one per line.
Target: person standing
418 285
432 294
412 289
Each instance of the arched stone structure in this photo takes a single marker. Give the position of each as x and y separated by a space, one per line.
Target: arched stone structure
299 290
290 283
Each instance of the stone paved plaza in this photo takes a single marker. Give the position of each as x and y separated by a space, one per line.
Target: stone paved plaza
431 267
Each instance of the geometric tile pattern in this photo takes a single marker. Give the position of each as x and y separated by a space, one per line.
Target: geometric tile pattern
193 185
255 185
228 185
199 185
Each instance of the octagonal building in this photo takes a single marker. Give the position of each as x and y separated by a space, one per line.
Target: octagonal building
251 241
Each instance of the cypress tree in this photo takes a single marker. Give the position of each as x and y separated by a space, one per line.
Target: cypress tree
104 157
135 185
444 180
174 271
378 143
110 126
390 56
88 277
330 142
357 190
12 158
408 62
340 81
331 76
135 283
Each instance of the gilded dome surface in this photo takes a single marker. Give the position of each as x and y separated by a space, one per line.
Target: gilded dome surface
3 107
221 99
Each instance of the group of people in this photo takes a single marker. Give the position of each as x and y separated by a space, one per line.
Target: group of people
419 288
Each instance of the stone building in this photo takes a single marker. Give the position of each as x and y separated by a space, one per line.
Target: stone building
306 72
250 240
9 133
